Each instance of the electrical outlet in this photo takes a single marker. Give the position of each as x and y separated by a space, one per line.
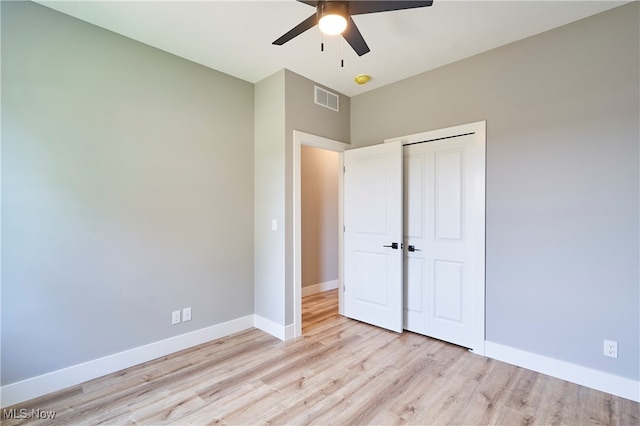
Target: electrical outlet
186 314
611 349
175 317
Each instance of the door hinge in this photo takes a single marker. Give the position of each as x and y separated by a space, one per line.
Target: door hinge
344 287
344 169
344 229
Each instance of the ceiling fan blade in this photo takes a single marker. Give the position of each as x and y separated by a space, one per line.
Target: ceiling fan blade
362 7
303 26
355 39
310 3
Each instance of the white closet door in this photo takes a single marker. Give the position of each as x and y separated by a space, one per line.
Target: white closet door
442 204
373 235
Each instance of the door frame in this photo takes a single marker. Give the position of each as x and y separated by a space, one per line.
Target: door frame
299 139
479 130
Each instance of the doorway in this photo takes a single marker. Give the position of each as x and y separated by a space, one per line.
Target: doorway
319 213
305 139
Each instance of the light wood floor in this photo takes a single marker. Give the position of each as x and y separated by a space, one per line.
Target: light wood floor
341 372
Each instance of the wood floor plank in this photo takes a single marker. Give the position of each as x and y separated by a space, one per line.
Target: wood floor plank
340 372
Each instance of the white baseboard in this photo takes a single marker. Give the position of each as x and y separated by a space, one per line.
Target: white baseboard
289 332
41 385
282 332
595 379
319 288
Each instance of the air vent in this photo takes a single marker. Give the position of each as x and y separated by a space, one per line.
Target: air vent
326 99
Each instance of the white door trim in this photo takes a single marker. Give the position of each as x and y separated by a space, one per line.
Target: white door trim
302 138
479 129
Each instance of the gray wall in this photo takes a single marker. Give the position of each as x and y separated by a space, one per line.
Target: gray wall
319 215
127 192
562 111
269 201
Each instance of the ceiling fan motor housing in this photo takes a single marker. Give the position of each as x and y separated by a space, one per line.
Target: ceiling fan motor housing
340 8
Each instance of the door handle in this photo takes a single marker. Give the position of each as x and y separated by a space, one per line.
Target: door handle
412 248
393 246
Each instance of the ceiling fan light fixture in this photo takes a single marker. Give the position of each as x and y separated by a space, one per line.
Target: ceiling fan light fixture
333 17
333 24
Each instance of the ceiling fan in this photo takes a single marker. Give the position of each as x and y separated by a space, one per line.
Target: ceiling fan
334 17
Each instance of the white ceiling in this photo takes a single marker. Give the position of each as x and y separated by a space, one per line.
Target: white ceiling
235 36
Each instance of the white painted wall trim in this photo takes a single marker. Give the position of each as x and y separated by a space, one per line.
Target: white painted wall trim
319 288
41 385
605 382
282 332
302 138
